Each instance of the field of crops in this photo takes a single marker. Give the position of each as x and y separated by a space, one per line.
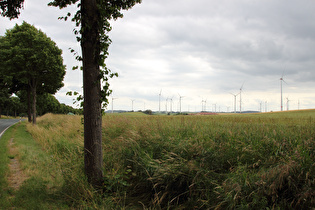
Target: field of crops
248 161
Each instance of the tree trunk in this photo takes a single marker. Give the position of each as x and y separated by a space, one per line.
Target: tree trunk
90 44
34 104
29 113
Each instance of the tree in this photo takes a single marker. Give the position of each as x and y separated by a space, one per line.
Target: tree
11 8
94 16
47 103
4 98
15 105
5 80
93 19
34 63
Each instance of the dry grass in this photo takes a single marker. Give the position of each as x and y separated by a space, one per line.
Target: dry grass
16 176
222 162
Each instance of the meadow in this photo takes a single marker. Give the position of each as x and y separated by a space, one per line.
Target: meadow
247 161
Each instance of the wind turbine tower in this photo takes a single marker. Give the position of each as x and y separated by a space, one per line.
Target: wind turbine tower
299 104
132 100
241 98
202 106
215 108
113 104
180 103
281 80
234 101
288 103
171 104
160 101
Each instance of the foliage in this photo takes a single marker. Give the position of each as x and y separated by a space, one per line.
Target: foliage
107 10
47 103
148 111
35 59
11 8
33 62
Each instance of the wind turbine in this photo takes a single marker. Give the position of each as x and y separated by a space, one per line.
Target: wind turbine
241 98
132 100
281 80
288 103
203 107
202 101
180 103
234 101
299 104
160 101
215 108
171 105
113 104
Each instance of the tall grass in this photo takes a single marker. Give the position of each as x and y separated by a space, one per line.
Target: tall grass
62 137
249 161
206 162
4 161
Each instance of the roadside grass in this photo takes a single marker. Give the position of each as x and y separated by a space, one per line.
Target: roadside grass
4 161
61 137
248 161
40 189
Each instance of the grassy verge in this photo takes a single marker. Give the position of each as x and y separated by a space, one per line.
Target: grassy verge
4 161
60 137
41 188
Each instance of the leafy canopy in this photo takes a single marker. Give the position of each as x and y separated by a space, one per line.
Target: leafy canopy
108 10
32 59
11 8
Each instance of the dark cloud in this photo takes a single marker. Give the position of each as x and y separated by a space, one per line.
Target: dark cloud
202 49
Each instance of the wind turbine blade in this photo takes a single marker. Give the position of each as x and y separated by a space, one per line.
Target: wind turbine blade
282 75
234 94
242 86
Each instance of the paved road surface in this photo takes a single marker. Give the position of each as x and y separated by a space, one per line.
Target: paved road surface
6 123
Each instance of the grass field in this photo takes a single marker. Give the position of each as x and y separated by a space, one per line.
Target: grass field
248 161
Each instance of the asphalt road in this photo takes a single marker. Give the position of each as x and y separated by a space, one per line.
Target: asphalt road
6 123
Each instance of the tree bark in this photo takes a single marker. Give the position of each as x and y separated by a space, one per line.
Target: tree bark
90 44
34 105
29 113
33 91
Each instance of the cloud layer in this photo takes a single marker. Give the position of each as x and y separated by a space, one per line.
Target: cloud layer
201 49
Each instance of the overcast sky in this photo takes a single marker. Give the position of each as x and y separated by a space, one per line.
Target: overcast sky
203 50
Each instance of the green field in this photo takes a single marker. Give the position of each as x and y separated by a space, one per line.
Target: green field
248 161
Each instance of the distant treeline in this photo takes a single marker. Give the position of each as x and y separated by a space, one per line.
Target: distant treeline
16 106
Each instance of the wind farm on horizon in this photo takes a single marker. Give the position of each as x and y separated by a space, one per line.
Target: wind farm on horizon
167 102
